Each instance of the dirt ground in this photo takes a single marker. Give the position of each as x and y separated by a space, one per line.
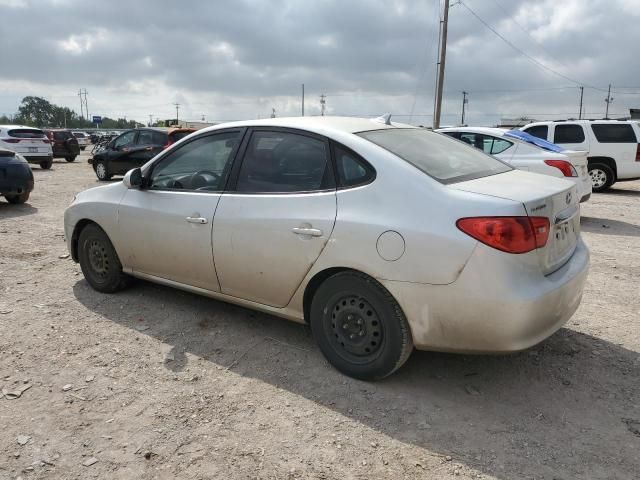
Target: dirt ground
158 383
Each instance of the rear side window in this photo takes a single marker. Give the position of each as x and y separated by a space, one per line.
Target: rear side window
159 138
614 133
540 131
570 133
439 156
26 133
284 162
352 169
145 137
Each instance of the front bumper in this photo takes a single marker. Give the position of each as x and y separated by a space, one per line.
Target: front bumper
489 309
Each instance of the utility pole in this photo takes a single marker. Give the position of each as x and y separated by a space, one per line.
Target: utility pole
273 113
441 64
303 99
608 100
177 108
150 119
323 102
581 96
86 105
464 102
81 104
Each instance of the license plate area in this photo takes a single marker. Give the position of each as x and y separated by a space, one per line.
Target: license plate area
32 149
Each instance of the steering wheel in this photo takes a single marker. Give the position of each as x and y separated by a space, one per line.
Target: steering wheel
199 180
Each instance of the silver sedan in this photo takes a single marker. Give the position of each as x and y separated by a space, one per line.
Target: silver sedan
383 237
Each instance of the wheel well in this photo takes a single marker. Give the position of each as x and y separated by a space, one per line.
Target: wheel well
610 162
315 283
76 235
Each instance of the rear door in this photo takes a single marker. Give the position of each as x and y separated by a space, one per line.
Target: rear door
618 140
570 136
270 229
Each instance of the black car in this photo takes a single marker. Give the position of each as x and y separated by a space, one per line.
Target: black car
63 143
16 177
133 149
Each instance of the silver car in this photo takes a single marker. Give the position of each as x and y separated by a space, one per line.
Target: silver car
383 237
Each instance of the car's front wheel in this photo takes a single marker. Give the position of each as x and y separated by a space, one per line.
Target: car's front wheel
359 326
15 199
101 172
602 176
99 261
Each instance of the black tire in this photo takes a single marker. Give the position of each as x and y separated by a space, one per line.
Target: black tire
82 148
602 176
70 159
102 171
99 261
46 165
359 326
15 199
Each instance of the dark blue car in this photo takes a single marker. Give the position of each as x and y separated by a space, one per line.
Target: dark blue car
16 177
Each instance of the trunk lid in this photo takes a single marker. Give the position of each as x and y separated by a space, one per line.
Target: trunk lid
579 161
542 196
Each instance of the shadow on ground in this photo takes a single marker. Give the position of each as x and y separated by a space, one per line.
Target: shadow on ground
623 192
605 226
8 210
545 413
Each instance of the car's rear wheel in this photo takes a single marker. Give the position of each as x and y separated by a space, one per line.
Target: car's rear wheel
602 176
101 171
359 326
15 199
70 159
99 261
46 165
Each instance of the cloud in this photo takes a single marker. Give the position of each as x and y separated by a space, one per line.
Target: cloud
238 59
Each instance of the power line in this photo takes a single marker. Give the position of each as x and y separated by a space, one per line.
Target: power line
522 52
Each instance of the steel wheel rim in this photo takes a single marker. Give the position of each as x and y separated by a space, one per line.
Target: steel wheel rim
598 177
98 259
354 328
101 170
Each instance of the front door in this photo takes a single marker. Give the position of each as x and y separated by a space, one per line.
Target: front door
165 229
271 228
118 153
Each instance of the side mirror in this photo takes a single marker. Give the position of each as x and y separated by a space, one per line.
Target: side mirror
133 178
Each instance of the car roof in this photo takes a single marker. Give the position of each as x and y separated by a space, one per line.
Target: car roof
316 124
487 130
8 127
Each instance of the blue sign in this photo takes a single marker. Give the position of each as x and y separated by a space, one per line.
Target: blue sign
97 119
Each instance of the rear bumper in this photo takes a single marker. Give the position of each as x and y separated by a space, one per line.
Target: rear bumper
61 152
584 188
15 179
38 158
509 310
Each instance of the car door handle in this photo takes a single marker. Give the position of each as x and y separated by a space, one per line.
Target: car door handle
199 220
313 232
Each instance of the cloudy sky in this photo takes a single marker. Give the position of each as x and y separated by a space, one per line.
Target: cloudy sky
239 59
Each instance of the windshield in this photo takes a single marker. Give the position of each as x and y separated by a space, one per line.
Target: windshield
538 142
439 156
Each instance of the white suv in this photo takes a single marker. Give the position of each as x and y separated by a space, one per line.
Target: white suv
612 146
31 143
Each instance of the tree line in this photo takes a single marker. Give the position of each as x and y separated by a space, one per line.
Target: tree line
39 112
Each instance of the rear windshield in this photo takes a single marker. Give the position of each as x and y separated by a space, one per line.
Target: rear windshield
439 156
61 135
179 135
612 133
79 135
26 133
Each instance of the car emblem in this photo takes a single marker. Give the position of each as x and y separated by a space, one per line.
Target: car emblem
568 198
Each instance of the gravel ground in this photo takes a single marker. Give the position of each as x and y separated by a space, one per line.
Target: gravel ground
157 383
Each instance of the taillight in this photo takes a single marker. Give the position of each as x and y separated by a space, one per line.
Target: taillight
11 140
565 167
508 234
638 153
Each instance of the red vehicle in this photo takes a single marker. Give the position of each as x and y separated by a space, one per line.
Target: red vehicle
64 144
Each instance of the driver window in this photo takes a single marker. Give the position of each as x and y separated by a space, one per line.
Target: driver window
125 139
200 165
